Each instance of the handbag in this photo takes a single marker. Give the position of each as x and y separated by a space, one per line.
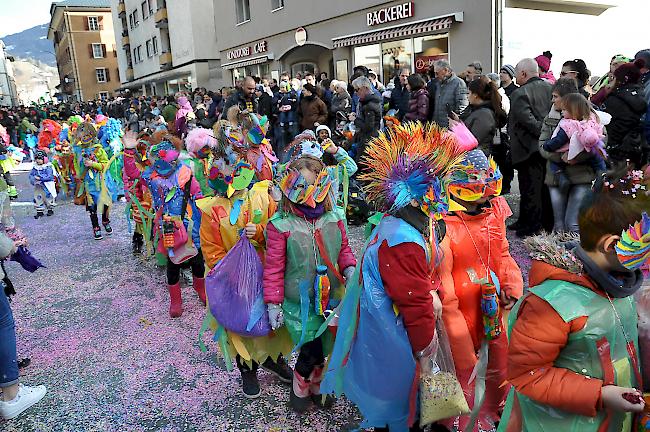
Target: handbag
182 247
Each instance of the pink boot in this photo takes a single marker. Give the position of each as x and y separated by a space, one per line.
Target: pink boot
176 302
199 287
323 401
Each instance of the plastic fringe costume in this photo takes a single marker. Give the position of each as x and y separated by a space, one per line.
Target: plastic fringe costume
112 142
476 266
94 183
136 191
224 218
48 137
63 161
372 362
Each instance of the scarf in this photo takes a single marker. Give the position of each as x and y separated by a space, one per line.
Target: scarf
308 212
617 285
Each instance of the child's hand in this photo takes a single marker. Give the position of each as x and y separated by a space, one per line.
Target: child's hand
250 230
612 397
329 146
437 304
37 178
87 163
507 302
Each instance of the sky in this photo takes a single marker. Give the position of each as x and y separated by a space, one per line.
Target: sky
595 39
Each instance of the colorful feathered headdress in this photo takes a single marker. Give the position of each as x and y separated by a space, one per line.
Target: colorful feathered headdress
411 162
633 249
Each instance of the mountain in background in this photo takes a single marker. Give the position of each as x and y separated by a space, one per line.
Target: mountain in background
31 44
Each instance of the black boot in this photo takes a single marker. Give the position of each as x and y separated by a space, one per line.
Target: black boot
50 212
39 214
137 243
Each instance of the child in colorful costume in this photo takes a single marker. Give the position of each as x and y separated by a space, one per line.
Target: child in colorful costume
255 148
95 188
7 163
307 260
135 190
388 316
480 280
111 140
63 161
173 188
42 178
48 137
573 358
241 207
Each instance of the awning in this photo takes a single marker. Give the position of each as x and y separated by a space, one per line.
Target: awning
244 63
433 25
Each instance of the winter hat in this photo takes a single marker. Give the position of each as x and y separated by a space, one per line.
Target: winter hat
544 61
323 127
40 154
310 88
629 73
509 69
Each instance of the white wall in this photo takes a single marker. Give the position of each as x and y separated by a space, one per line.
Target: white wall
139 36
192 30
122 64
595 39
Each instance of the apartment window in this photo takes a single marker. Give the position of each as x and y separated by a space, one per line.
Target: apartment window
277 4
131 21
243 11
136 22
97 50
138 54
103 95
145 10
93 23
149 49
100 74
154 43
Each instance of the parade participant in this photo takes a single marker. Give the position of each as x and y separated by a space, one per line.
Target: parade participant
255 147
135 189
42 178
388 316
242 207
7 162
199 143
307 258
480 280
173 188
48 137
573 360
94 188
63 161
112 142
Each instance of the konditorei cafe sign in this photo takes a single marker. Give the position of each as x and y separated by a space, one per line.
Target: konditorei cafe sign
237 53
389 14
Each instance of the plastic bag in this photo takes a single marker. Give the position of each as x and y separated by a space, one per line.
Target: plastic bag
441 395
234 291
642 298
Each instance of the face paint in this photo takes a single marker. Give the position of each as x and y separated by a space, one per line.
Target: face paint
633 249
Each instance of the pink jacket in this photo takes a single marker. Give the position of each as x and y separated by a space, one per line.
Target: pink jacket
276 257
584 135
130 173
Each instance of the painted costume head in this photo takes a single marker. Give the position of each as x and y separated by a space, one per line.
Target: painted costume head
409 164
50 131
254 128
307 182
86 134
164 154
478 177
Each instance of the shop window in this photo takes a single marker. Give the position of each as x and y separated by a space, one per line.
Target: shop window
395 57
93 23
243 11
302 69
238 74
265 71
428 49
277 4
368 56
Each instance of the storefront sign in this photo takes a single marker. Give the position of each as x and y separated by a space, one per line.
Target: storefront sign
237 53
301 36
424 63
389 14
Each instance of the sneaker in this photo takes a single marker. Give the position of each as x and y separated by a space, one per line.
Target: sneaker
279 368
50 212
98 234
108 229
27 396
38 215
250 385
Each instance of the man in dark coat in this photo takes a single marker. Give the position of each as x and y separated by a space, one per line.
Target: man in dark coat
368 122
529 104
244 97
400 96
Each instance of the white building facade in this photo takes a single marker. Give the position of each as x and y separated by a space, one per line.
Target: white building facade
166 45
8 93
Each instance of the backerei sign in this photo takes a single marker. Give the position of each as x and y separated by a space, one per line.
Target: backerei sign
238 53
389 14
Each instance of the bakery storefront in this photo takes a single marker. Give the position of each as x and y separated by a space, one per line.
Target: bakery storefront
384 38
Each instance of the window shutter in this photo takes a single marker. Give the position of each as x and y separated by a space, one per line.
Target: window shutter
101 24
90 51
104 50
86 24
108 75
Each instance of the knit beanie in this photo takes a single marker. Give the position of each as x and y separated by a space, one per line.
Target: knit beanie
544 61
509 69
629 73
